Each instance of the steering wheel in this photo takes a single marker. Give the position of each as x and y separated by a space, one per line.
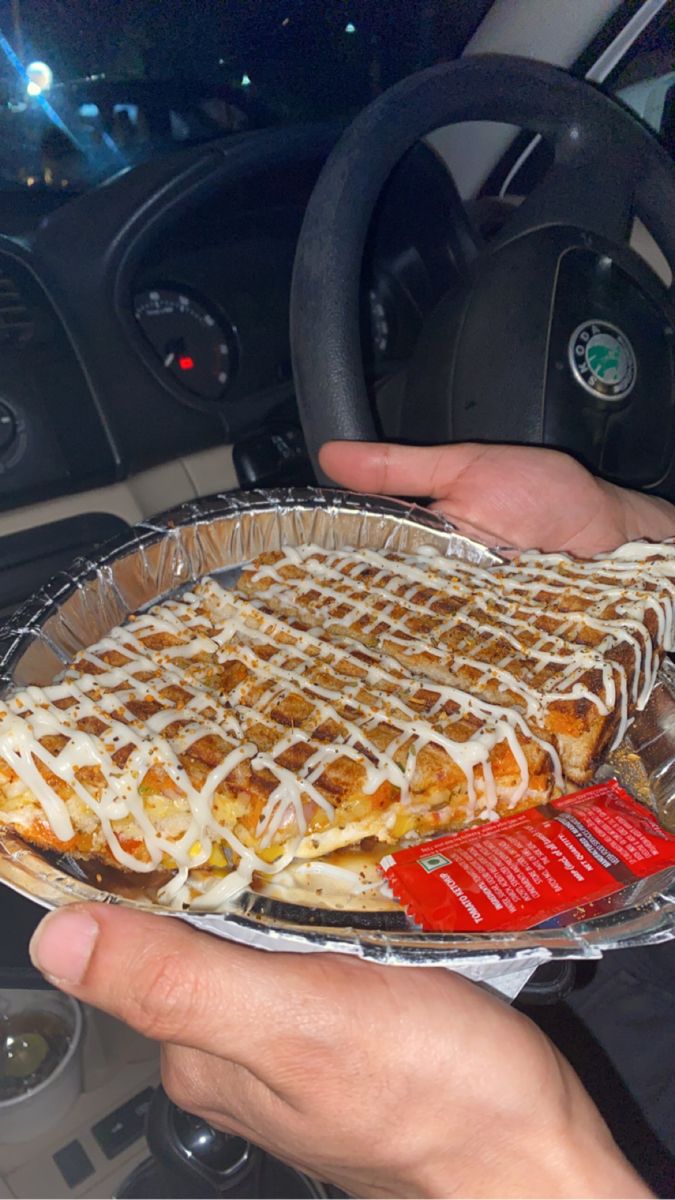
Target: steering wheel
559 334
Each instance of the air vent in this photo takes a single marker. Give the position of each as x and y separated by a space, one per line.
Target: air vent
16 322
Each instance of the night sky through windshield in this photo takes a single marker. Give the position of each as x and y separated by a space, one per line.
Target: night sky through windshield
307 59
131 79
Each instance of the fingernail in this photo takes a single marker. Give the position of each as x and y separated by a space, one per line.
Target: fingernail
62 945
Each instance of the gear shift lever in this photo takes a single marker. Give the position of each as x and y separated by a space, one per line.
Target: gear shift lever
188 1146
204 1162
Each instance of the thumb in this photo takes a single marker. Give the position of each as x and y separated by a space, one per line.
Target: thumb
153 972
398 470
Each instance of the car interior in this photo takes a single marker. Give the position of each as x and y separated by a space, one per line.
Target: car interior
205 306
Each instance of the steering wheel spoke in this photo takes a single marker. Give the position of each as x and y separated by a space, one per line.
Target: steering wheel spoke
464 237
592 190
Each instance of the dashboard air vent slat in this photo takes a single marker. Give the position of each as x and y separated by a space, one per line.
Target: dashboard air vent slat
16 322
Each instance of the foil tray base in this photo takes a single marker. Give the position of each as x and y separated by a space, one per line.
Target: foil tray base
217 536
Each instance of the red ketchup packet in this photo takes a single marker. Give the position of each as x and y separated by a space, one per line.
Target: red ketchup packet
524 870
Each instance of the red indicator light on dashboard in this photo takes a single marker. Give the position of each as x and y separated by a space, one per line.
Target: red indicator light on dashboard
185 362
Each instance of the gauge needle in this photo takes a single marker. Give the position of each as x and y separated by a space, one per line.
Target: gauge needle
169 359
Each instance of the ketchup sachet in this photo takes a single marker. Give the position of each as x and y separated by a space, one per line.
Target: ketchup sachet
523 870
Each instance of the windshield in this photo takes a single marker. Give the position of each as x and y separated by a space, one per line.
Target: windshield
87 90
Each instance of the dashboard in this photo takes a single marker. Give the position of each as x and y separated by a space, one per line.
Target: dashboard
145 324
210 298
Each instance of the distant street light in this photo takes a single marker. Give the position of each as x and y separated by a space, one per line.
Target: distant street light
349 28
40 78
245 81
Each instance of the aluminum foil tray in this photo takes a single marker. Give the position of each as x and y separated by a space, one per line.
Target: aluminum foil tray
217 536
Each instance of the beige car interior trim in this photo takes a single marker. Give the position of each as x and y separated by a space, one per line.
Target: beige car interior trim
539 29
642 242
138 497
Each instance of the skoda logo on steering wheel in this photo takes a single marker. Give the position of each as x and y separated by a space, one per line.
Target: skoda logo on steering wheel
602 360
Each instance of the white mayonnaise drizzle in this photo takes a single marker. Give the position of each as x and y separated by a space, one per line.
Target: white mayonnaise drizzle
352 692
111 694
401 689
398 581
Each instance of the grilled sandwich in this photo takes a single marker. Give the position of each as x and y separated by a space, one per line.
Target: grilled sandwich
573 646
208 736
332 697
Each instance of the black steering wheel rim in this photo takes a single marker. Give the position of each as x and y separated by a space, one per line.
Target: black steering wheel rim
583 124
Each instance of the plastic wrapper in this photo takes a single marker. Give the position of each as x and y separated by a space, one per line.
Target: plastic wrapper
217 536
535 867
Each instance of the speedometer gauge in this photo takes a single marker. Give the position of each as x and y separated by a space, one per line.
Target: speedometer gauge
194 345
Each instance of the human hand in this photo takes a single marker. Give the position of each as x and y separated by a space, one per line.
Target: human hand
386 1081
519 496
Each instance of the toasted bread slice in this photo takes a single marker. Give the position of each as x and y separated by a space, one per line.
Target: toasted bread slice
205 734
551 637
